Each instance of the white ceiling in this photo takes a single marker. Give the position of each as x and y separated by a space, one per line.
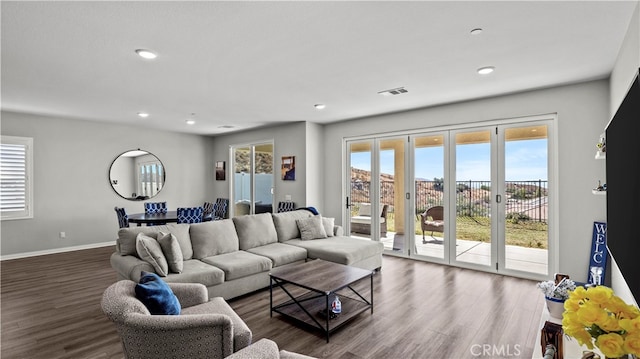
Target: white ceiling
254 63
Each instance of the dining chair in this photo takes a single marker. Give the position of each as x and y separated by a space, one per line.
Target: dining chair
286 206
207 208
220 208
155 207
190 214
123 219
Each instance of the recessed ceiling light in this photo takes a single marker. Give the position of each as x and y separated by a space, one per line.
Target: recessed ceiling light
147 54
486 70
143 114
319 106
190 121
476 31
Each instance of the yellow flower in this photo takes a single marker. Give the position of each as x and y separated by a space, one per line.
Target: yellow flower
610 324
599 294
571 304
631 325
578 293
591 313
611 345
632 344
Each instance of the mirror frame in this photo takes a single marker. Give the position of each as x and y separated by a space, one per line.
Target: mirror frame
114 178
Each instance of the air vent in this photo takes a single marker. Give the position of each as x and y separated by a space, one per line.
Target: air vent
393 92
227 126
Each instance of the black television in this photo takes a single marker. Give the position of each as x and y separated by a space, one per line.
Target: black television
623 187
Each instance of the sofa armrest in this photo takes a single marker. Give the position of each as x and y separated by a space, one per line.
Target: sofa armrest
142 334
263 349
190 294
129 267
338 230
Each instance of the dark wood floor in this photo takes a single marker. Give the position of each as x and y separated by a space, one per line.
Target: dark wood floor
50 307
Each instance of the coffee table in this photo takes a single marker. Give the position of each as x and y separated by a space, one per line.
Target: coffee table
322 281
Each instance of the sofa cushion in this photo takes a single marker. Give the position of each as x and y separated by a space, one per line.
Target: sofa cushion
171 250
286 225
156 295
280 253
126 242
311 228
213 238
343 250
196 271
239 264
149 250
255 230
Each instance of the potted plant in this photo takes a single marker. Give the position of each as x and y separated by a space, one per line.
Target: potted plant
555 293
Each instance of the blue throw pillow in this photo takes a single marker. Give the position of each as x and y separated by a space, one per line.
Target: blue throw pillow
156 295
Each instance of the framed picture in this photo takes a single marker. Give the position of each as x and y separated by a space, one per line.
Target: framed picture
288 168
220 171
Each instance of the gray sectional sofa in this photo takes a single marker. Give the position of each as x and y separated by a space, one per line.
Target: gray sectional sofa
232 257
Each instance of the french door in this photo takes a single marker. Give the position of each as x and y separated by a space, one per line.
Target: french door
475 197
253 179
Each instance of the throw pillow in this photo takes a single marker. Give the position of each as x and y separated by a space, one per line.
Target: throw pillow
149 250
311 228
328 224
171 250
156 295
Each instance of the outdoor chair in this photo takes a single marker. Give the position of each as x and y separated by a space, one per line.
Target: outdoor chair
432 220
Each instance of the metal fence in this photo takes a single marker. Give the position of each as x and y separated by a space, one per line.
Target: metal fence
525 200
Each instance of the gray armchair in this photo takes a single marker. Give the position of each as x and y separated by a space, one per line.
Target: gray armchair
205 328
266 349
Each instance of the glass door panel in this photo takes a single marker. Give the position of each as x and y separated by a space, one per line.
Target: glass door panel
361 191
264 177
241 200
392 190
473 194
429 183
526 239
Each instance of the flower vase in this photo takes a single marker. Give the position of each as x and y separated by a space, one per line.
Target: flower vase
555 307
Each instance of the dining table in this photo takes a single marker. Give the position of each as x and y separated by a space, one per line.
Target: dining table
159 218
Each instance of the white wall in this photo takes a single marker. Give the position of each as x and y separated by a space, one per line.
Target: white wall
582 110
623 73
289 140
72 193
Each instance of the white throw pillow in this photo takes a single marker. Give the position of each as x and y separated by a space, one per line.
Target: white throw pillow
328 224
311 228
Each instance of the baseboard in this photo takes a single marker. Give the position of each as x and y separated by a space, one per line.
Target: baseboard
56 250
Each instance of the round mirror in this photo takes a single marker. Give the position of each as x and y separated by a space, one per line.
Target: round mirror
137 175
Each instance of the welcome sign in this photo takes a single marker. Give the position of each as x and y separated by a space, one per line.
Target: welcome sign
598 260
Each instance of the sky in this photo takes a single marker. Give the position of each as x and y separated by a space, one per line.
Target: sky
524 161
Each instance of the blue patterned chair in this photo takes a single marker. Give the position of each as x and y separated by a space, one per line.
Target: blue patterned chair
207 208
190 214
220 209
286 206
123 218
155 207
205 328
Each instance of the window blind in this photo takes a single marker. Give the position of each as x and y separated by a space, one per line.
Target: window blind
15 177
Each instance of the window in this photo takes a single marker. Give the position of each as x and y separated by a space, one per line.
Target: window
16 168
